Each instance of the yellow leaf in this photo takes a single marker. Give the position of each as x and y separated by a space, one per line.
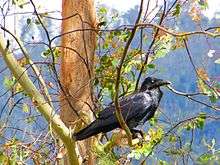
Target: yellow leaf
203 74
202 86
25 108
195 14
217 30
18 87
22 61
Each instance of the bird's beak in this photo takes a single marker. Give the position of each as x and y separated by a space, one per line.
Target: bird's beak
162 83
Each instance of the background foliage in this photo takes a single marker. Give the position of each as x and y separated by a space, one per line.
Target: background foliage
183 131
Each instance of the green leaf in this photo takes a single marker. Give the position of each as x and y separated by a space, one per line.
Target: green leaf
162 162
202 115
177 10
128 68
151 66
56 52
103 10
161 53
205 158
173 151
46 53
165 45
200 121
117 32
106 158
153 121
213 98
203 4
172 138
28 21
217 61
189 126
37 22
105 45
115 62
19 3
104 59
200 124
203 87
30 119
9 82
213 142
96 81
124 36
25 108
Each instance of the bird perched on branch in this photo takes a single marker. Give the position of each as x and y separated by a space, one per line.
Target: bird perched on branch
135 108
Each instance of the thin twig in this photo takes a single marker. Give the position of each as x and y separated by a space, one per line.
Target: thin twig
150 47
177 125
194 67
53 59
185 94
118 77
189 96
144 25
32 65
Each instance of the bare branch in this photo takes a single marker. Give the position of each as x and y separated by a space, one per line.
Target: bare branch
118 77
44 108
189 96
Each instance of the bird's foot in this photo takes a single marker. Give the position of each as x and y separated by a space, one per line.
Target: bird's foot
135 133
138 136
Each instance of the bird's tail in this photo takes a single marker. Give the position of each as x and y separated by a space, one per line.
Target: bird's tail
88 131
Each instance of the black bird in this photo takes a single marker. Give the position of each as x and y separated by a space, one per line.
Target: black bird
135 108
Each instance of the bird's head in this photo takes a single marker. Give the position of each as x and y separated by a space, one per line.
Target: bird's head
152 83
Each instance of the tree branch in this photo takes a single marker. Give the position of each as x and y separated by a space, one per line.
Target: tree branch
32 65
38 100
119 68
189 96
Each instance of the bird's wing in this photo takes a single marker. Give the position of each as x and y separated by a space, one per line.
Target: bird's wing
130 106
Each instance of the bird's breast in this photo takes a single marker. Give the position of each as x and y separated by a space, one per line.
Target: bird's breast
147 98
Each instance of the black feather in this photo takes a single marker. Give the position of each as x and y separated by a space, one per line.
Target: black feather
135 108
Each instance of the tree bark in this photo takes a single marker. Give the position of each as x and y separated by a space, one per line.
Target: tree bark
78 48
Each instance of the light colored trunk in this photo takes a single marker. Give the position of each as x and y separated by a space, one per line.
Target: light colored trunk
77 65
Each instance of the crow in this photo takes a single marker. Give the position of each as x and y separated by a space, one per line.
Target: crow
135 108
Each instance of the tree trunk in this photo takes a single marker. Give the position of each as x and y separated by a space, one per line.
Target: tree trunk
77 66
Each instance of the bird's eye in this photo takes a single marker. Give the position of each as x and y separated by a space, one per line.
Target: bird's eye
152 81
